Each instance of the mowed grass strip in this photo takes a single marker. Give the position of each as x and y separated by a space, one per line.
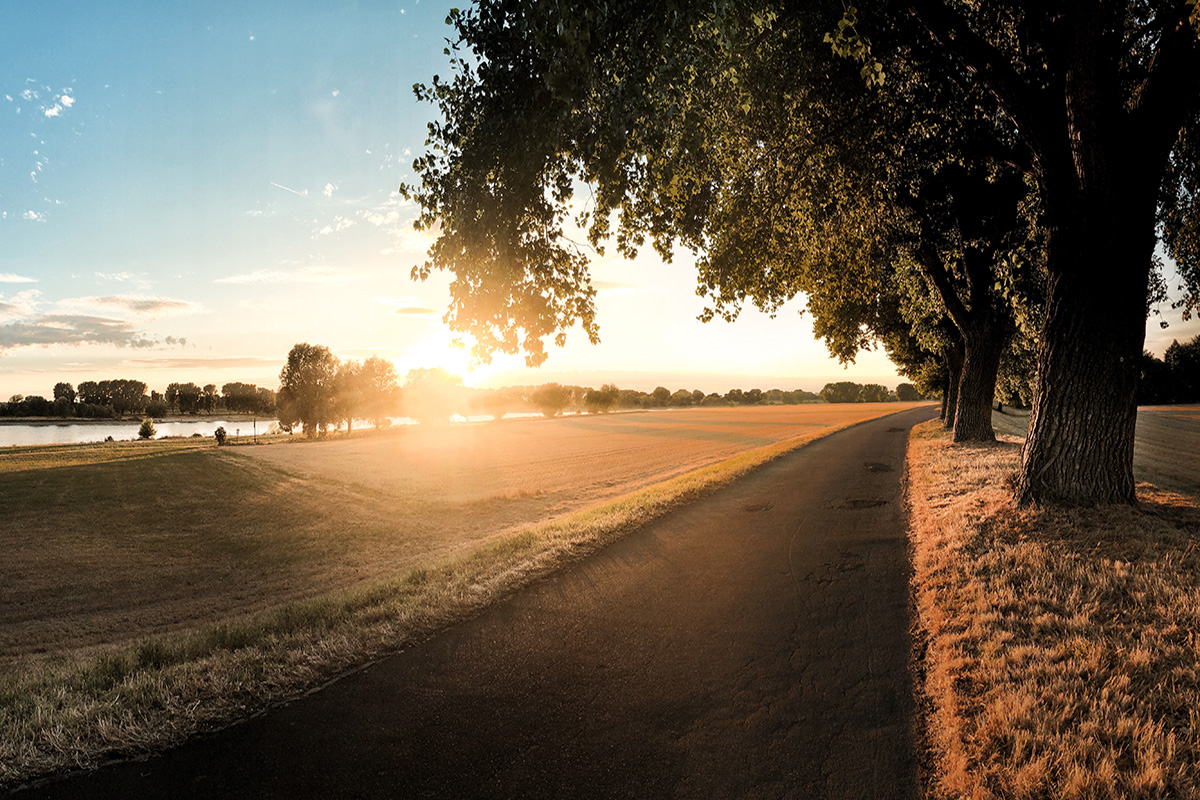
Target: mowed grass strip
73 712
27 458
1061 648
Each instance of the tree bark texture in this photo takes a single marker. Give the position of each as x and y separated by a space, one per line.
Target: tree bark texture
983 346
954 365
1081 431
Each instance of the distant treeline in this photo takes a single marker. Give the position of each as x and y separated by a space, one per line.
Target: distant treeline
436 394
1174 378
847 392
113 399
321 392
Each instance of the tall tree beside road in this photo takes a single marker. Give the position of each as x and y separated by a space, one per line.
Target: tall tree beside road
1104 105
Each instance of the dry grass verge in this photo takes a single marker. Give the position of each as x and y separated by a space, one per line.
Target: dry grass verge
75 712
1061 647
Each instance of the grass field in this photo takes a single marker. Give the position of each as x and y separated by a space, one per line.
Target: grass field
1060 651
152 589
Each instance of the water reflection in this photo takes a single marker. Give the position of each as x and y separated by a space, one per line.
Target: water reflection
27 433
42 433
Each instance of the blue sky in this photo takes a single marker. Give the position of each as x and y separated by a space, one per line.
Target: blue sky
188 189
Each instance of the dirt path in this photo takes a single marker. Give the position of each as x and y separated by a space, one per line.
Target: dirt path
754 644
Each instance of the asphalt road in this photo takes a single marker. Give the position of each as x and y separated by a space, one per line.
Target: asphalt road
754 644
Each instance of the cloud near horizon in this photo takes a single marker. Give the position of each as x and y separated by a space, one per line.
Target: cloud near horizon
11 277
408 307
146 307
71 329
24 324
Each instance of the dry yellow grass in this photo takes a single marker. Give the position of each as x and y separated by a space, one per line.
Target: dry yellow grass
1061 648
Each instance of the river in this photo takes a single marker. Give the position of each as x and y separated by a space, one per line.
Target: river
76 432
41 433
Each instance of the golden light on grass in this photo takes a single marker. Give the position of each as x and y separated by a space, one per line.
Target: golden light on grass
307 559
1061 648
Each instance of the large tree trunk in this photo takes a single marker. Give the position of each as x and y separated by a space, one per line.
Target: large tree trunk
954 365
983 347
1081 432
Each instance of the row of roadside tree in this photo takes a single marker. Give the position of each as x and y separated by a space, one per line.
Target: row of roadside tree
996 193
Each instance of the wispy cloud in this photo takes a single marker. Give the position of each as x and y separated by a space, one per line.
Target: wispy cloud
71 329
9 277
61 102
20 305
339 224
408 307
143 306
141 280
33 216
329 189
307 275
23 323
388 217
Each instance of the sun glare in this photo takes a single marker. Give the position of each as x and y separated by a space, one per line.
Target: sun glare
440 350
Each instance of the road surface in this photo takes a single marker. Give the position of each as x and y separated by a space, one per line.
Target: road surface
754 644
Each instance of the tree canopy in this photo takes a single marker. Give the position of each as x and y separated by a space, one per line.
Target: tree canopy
306 388
989 145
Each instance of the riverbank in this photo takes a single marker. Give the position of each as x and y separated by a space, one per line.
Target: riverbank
41 432
133 418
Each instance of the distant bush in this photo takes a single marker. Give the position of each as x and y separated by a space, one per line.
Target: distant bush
602 400
146 431
842 392
873 393
219 434
550 399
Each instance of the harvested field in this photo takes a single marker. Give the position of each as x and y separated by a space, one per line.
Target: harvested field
106 545
566 463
